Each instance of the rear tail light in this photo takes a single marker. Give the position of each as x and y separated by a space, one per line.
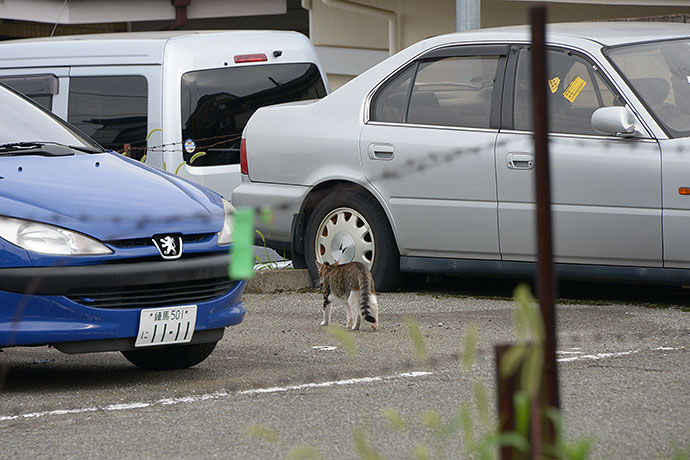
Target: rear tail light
243 157
258 57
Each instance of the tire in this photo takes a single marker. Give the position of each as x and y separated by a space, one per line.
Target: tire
352 226
169 358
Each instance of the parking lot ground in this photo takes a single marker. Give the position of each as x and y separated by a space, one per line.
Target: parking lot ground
623 365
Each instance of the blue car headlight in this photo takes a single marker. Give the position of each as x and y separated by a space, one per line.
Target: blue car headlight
225 235
48 239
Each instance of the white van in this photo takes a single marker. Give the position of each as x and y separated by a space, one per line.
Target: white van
176 100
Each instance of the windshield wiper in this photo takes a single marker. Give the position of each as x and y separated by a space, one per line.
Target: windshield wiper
44 148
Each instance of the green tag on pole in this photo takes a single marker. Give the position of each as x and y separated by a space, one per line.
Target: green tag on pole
241 254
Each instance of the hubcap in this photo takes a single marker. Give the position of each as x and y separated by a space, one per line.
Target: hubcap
344 236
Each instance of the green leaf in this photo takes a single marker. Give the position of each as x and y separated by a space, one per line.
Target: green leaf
512 439
521 403
365 450
432 419
395 419
511 360
263 432
417 339
579 450
303 452
263 240
344 337
421 452
523 299
467 426
482 403
470 347
554 415
531 375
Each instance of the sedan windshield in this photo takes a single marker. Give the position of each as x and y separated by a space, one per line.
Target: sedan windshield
659 72
25 122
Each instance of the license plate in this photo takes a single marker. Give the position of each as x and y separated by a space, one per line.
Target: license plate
165 326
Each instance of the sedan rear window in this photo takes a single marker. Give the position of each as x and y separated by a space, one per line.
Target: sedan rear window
217 103
452 91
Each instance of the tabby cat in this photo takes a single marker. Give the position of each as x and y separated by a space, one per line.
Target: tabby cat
353 284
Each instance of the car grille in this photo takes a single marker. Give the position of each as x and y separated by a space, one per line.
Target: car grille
153 295
142 242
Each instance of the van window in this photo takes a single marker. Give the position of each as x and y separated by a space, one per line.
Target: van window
112 110
40 88
217 103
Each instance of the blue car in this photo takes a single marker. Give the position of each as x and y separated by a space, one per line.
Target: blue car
99 252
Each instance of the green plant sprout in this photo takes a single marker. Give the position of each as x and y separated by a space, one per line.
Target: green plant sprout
264 265
345 338
417 340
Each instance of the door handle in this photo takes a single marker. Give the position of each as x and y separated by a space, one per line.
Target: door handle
381 151
520 160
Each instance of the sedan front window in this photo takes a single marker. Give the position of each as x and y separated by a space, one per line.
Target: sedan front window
659 72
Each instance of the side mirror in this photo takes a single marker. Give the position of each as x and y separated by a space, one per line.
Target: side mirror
616 121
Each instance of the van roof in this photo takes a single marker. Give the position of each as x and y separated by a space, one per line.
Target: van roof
136 47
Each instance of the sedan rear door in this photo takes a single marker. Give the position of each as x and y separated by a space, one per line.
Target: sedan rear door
428 148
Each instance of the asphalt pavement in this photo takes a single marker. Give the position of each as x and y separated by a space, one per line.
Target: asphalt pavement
279 384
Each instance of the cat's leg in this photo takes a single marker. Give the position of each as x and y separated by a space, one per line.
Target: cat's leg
348 312
327 310
374 308
353 319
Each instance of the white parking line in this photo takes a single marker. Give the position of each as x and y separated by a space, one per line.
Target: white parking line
212 396
598 356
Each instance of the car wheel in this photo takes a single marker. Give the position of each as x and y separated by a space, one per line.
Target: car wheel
169 358
346 227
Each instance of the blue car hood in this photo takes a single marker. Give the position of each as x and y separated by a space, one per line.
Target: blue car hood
106 196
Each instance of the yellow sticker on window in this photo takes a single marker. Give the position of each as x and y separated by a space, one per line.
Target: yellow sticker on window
574 88
553 84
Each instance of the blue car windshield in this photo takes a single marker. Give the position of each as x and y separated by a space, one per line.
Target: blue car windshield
659 72
23 121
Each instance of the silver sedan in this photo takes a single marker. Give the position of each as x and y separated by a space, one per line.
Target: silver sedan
425 162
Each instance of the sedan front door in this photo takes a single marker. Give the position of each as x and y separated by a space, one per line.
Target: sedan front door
606 190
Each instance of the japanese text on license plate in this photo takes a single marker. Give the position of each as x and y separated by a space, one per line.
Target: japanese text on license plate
165 326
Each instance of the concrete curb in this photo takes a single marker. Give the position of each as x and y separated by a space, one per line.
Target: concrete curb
284 279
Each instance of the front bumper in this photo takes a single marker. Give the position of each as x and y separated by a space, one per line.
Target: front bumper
35 310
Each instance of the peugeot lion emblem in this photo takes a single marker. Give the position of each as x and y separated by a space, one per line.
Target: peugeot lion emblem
170 246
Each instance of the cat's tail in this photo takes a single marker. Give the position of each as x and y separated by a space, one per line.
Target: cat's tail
367 303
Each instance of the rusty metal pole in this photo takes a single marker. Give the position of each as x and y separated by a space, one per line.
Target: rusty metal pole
541 431
545 270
